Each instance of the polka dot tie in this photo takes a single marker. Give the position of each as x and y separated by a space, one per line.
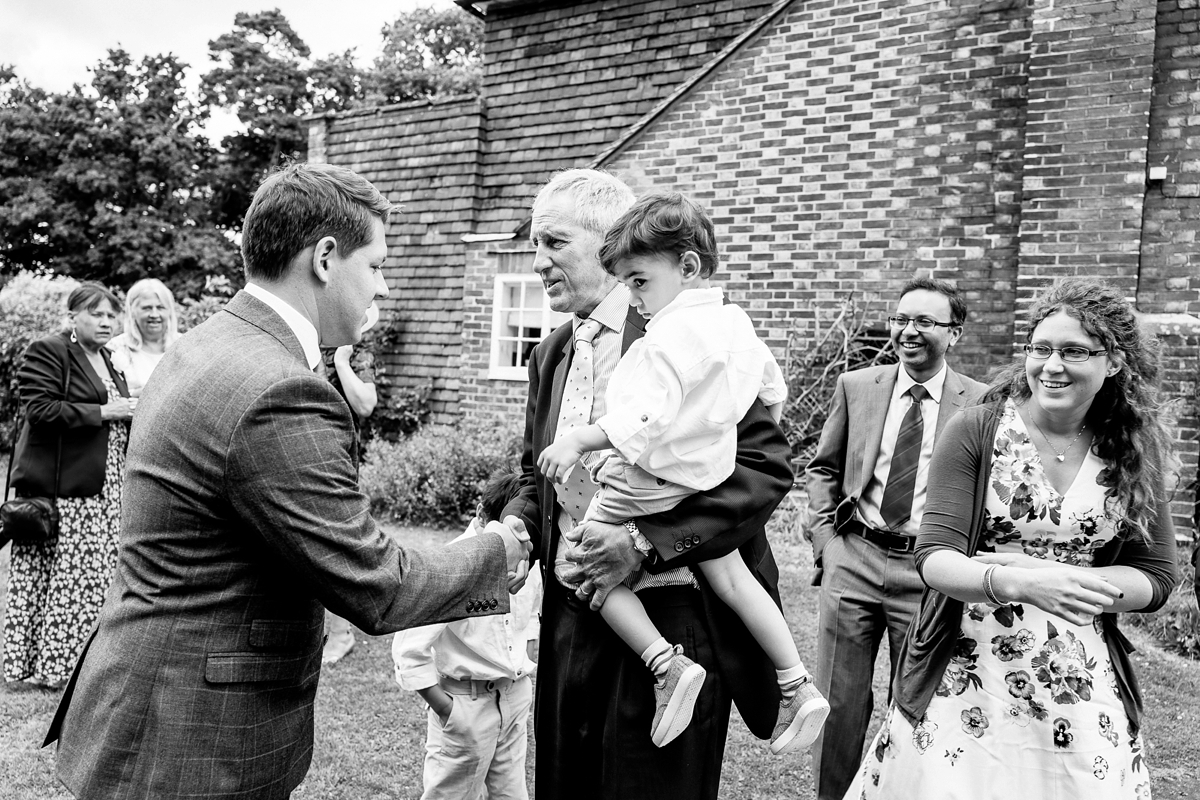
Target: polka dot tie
576 492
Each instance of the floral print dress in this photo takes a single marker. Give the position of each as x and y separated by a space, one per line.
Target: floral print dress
1028 707
56 588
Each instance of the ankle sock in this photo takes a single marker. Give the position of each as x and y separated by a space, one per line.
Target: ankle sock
791 679
657 656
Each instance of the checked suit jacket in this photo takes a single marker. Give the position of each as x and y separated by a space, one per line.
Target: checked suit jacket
241 522
842 467
707 525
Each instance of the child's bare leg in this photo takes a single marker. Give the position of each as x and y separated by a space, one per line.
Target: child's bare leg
802 711
677 678
626 615
731 579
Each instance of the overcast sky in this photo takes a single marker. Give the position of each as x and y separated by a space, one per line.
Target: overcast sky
53 42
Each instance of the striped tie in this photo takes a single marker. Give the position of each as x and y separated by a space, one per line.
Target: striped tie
575 494
897 503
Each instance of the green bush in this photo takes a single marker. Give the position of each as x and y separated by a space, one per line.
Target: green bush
31 306
1177 624
435 476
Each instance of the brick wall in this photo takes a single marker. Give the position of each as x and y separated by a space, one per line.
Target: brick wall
850 146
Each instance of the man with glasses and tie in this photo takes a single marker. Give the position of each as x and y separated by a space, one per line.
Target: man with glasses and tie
595 703
866 489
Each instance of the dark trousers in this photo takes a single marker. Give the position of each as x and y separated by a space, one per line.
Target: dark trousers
866 591
595 704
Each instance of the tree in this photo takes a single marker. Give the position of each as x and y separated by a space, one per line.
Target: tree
428 52
109 184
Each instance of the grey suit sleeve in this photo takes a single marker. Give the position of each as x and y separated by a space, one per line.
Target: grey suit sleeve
290 476
824 474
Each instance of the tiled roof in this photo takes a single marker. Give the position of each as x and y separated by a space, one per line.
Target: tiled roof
545 113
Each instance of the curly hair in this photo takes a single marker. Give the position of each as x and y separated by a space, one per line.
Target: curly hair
1126 413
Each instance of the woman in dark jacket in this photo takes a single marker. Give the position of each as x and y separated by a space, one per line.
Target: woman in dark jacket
56 587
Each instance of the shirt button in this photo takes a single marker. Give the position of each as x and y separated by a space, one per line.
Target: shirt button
645 418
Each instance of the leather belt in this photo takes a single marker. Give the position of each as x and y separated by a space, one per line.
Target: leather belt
896 542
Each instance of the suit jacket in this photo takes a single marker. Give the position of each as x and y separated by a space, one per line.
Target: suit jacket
704 526
845 459
75 419
241 521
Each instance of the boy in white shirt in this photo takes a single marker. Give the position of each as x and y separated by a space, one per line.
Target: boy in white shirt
475 676
669 430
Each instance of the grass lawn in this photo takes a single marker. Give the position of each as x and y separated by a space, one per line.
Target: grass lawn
370 735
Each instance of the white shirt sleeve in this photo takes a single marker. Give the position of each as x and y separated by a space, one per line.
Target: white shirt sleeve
645 394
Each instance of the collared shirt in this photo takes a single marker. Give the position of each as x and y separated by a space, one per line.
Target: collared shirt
305 332
872 497
479 648
606 352
676 398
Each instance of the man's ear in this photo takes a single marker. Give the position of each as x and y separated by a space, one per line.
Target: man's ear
689 262
323 251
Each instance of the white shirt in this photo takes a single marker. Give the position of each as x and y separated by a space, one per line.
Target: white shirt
304 330
479 648
676 398
872 497
136 365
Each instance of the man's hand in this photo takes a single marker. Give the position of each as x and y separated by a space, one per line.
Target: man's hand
559 458
517 548
606 557
342 354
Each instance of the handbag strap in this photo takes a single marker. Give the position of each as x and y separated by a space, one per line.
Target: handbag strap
12 450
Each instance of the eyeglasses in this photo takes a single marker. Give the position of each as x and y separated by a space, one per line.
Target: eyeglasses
924 324
1074 355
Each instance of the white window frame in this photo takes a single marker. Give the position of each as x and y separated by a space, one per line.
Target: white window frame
549 321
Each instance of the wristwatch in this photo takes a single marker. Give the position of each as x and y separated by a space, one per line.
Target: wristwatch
640 542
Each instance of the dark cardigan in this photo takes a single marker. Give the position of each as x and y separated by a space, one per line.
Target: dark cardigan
958 481
76 418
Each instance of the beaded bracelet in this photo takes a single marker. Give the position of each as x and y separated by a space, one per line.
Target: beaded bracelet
988 591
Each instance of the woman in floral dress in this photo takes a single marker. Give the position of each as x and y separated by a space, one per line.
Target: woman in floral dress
56 587
1046 517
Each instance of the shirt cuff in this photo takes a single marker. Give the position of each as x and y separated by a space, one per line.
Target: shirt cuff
413 680
626 433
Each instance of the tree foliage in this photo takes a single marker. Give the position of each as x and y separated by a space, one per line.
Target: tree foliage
428 52
116 180
109 184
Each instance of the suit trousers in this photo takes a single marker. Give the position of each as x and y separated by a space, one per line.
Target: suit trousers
866 590
480 749
595 705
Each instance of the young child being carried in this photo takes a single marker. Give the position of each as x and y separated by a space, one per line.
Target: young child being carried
669 430
476 671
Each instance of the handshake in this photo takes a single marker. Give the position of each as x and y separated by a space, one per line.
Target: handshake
517 548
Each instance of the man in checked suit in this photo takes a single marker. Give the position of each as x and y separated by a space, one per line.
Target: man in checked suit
595 698
242 522
866 490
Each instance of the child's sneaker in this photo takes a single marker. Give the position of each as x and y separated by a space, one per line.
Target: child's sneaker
800 720
675 697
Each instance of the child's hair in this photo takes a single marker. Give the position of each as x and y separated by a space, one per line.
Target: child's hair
662 223
501 487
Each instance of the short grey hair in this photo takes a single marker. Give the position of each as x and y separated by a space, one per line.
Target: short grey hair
599 198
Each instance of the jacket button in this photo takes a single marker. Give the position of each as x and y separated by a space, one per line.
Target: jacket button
493 603
696 539
679 547
470 605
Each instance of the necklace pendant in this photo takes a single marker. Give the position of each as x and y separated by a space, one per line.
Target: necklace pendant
1062 457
